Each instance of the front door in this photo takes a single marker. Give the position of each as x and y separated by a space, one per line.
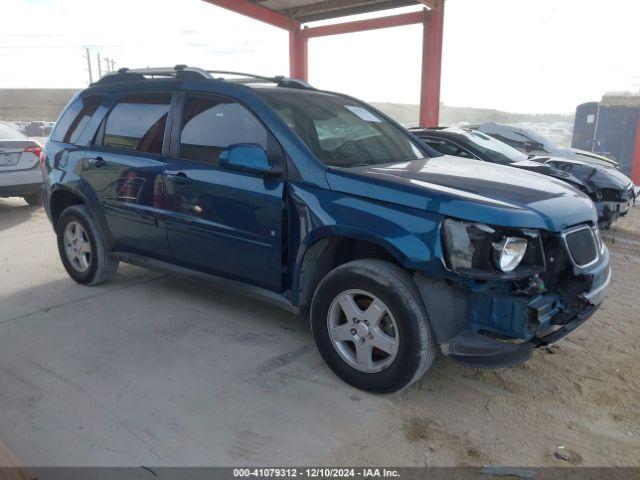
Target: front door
224 222
125 168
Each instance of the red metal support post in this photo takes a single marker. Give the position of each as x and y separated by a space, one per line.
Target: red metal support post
431 65
298 54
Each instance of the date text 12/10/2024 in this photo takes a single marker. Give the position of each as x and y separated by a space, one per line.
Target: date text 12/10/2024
315 473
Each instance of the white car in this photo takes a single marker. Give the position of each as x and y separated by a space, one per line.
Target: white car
20 174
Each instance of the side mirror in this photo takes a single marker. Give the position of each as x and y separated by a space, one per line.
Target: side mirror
246 157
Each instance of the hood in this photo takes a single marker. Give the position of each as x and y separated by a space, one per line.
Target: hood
470 190
594 175
544 169
583 156
594 156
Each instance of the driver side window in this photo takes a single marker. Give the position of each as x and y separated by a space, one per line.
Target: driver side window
211 124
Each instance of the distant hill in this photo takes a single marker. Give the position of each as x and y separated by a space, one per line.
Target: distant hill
33 103
46 104
407 115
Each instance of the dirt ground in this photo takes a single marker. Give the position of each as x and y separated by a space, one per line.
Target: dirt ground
153 369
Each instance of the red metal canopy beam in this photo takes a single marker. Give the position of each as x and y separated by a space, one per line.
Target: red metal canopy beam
257 12
364 25
433 24
431 4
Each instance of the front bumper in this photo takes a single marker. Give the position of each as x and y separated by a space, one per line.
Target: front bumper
610 211
475 350
462 339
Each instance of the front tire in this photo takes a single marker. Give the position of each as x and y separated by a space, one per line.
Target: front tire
82 249
370 326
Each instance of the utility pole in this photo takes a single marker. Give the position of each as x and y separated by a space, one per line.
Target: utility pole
89 65
113 65
99 66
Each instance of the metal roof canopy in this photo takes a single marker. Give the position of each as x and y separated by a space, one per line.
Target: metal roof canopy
291 14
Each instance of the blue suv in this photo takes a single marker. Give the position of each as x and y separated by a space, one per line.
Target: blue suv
319 202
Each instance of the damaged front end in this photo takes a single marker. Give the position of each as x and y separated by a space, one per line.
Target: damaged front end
611 191
614 203
502 297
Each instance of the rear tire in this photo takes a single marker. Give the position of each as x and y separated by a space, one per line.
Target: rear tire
82 249
398 347
33 199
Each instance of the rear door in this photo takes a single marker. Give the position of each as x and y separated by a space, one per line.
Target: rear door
224 222
124 168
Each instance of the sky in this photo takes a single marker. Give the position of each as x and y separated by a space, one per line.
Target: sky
525 56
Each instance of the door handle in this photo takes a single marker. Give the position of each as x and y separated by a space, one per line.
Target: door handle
98 162
179 178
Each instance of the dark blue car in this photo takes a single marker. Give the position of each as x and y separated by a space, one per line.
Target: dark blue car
320 202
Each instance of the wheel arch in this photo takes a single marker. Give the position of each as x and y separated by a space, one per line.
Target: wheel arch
331 247
63 197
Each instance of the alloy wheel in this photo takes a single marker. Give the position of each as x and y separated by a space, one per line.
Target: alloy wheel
363 331
77 246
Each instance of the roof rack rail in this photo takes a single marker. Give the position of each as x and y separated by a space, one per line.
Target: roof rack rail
179 71
279 80
247 76
184 72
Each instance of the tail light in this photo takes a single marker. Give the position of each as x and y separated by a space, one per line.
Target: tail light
38 152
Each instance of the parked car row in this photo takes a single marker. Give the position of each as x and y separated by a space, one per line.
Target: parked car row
325 205
34 128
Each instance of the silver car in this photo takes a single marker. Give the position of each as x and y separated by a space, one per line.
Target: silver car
20 174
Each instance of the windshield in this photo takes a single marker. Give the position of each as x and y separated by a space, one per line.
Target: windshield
495 150
536 137
342 132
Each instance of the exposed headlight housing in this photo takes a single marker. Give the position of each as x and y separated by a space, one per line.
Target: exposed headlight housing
509 252
481 251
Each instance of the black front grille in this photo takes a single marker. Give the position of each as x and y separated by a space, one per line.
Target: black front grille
582 246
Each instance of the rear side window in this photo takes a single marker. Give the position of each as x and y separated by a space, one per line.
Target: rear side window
75 118
209 125
137 123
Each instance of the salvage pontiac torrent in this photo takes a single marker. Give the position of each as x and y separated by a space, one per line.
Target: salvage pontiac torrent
324 204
